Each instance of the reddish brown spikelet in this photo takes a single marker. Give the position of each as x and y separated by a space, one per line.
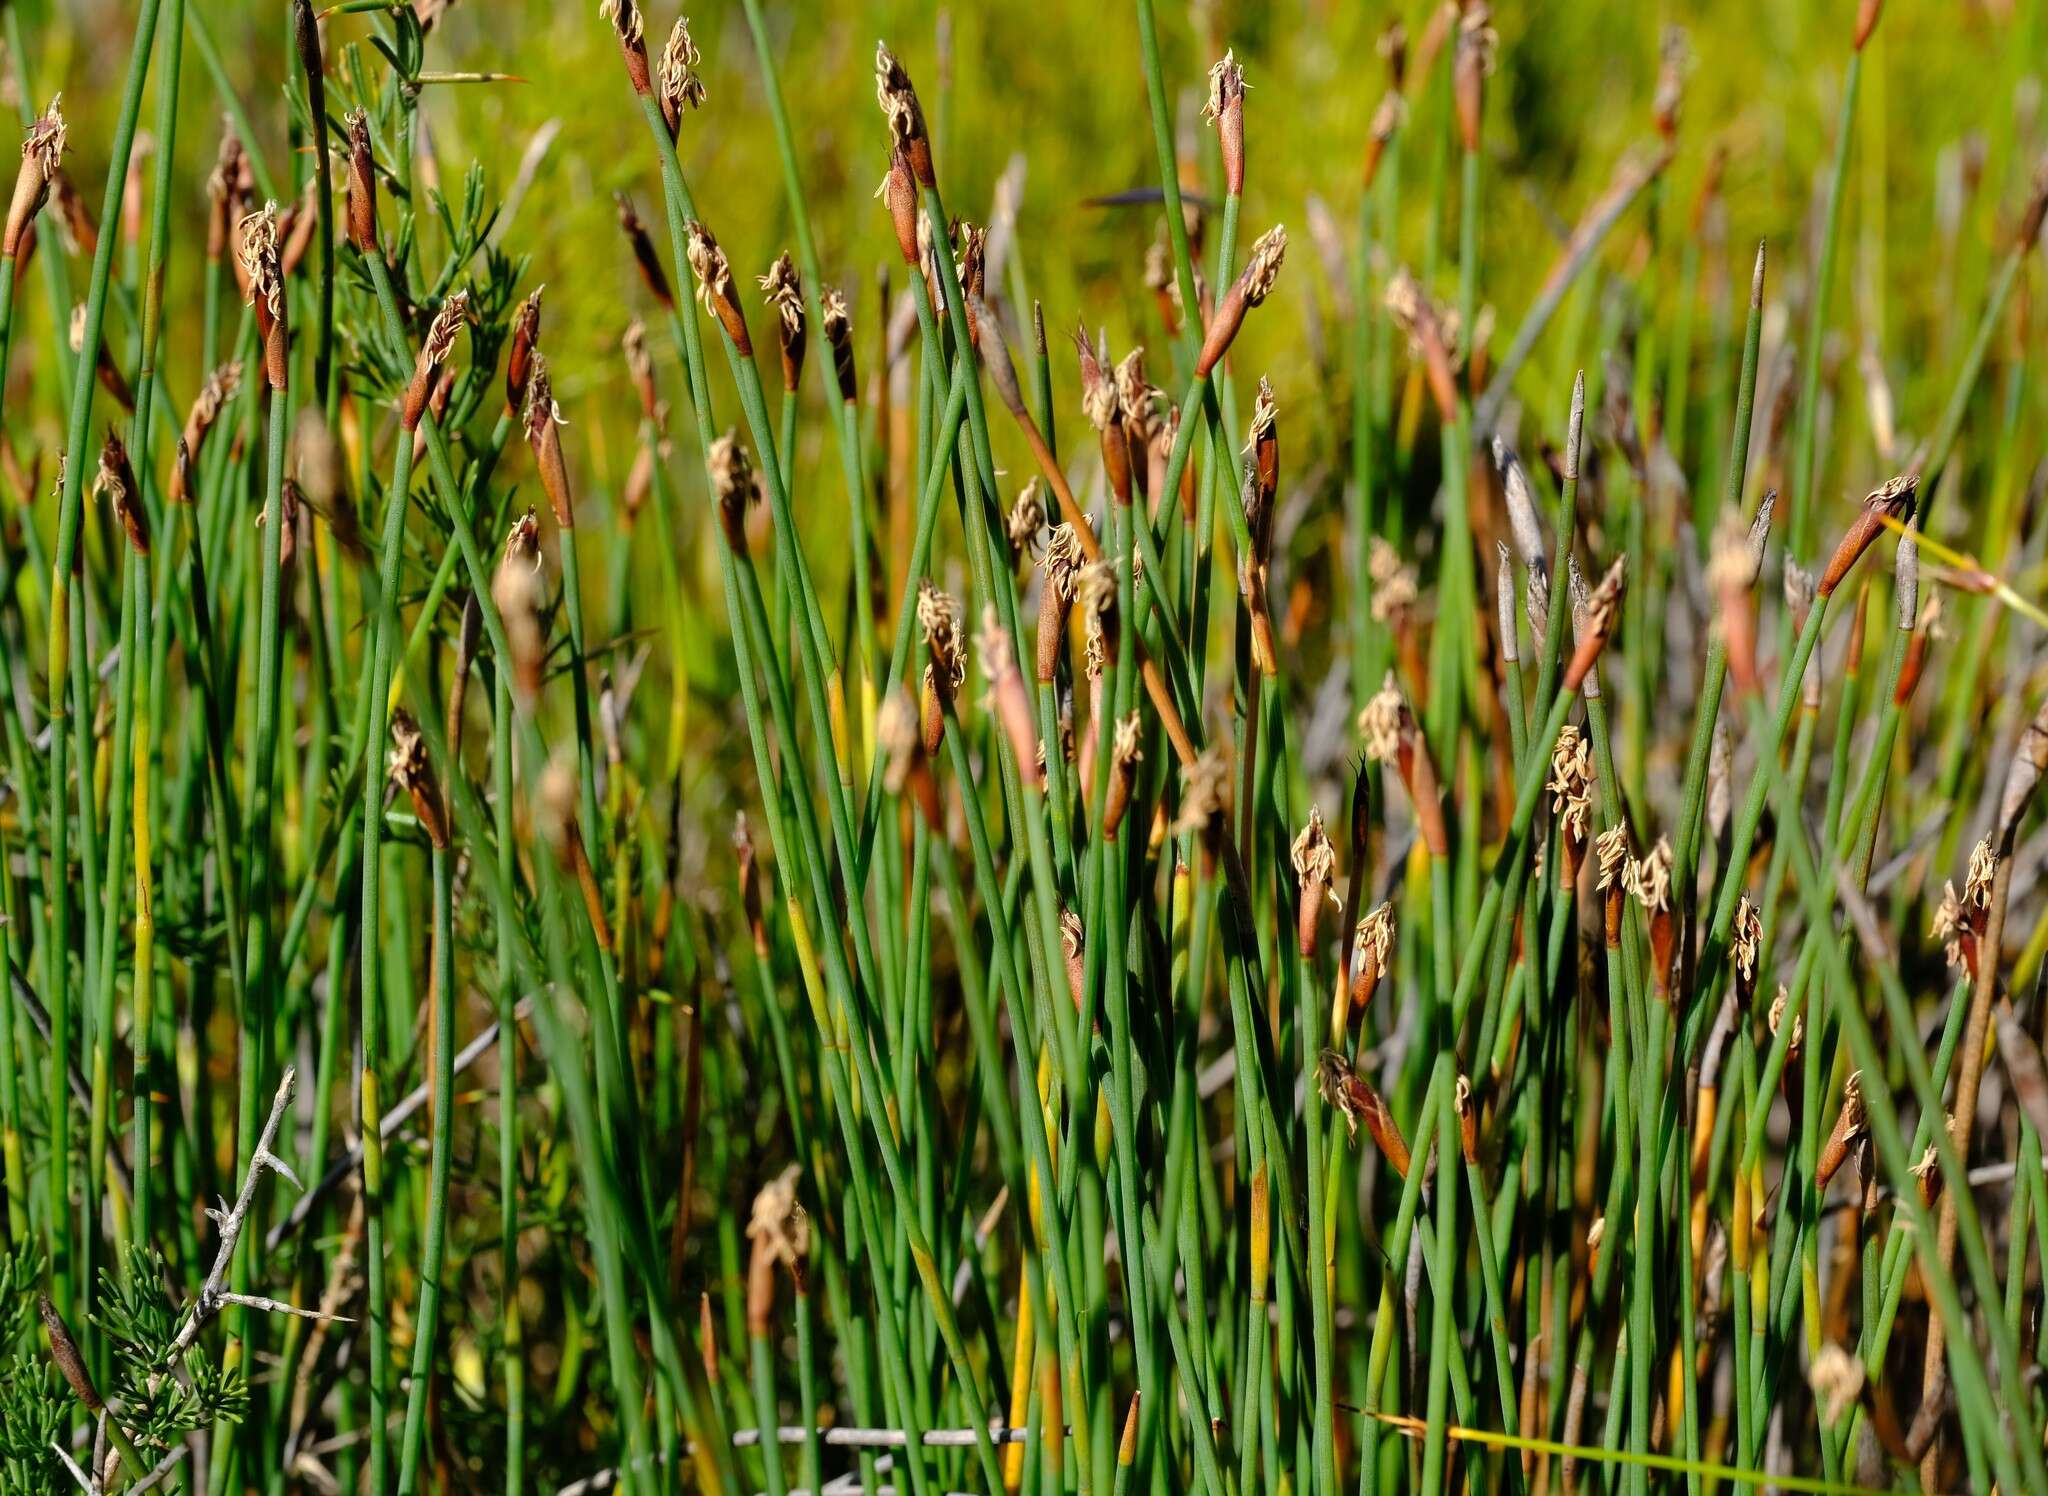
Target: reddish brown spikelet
362 185
1010 696
1056 595
520 351
644 255
1315 870
838 329
899 193
1252 286
411 772
1225 110
1354 1096
42 152
1890 501
519 590
631 32
435 350
543 419
213 396
898 98
1387 120
640 369
783 290
264 271
1850 1124
226 189
732 484
1867 14
115 481
1124 756
715 287
1471 63
1603 614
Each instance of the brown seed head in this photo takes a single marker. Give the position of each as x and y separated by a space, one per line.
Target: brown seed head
780 1231
1748 943
939 619
411 772
1124 757
1098 389
644 255
435 350
640 369
783 290
1471 65
362 185
257 251
543 420
115 481
519 565
838 327
1056 594
1205 794
898 193
1315 870
732 484
1095 597
213 396
715 287
1225 110
1261 273
1468 1119
42 153
1372 948
1893 499
898 98
520 352
1602 615
678 84
630 30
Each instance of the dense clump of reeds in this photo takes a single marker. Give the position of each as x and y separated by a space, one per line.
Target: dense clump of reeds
1425 972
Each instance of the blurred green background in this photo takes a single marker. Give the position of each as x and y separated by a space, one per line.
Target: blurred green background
1950 92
